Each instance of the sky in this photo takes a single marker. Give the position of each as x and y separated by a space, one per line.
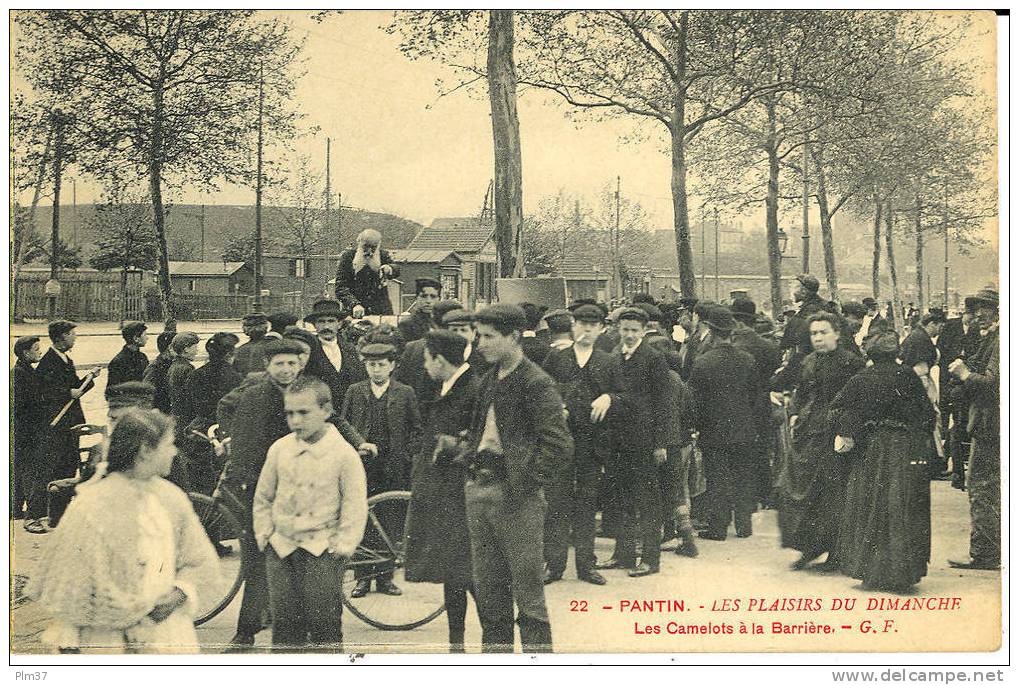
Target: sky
399 148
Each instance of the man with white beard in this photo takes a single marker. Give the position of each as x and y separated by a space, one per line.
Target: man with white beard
362 274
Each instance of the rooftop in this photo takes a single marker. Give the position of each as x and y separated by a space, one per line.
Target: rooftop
204 268
456 234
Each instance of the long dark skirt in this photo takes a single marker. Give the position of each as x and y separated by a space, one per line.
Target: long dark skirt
885 537
812 487
438 543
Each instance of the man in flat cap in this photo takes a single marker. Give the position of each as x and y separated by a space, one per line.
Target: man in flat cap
560 327
411 367
519 444
722 379
981 390
639 389
250 356
428 292
959 339
203 389
130 363
583 373
278 323
361 276
385 412
62 387
253 416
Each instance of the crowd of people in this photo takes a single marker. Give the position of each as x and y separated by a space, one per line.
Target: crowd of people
519 431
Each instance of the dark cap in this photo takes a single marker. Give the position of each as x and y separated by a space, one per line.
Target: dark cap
443 307
718 318
132 329
809 282
60 328
589 313
131 394
184 340
652 310
934 316
870 303
256 319
883 343
302 334
279 321
221 344
458 316
378 351
324 307
744 309
986 297
24 344
561 320
282 346
446 344
633 314
504 315
854 309
422 283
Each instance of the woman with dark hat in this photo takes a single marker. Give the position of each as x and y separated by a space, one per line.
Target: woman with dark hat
811 478
883 423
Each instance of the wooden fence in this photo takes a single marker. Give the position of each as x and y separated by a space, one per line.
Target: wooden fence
90 295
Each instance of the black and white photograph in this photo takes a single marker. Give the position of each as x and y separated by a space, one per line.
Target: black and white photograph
460 334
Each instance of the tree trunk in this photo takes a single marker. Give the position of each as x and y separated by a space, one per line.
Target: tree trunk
827 239
156 192
20 248
681 216
875 264
806 211
918 228
771 213
502 93
889 243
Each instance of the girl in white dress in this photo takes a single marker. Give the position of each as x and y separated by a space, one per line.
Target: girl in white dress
122 572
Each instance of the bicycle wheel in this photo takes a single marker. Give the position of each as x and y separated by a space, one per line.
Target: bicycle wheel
381 553
225 531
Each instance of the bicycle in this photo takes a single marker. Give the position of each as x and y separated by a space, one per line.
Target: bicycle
381 549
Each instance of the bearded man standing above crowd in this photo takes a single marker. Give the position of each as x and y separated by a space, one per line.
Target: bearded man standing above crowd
362 274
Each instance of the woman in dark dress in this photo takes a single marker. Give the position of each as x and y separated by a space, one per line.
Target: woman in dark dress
437 542
883 424
811 479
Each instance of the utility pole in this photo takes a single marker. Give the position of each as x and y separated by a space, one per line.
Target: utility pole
329 190
52 289
806 214
257 306
704 253
717 298
202 251
74 207
617 275
946 245
339 221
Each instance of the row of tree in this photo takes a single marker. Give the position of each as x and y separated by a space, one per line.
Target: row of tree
867 111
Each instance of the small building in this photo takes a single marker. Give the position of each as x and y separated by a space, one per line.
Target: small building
211 278
585 279
473 241
445 266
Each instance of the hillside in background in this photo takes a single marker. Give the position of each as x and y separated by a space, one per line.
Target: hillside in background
184 235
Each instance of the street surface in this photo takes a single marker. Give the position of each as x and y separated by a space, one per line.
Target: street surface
737 569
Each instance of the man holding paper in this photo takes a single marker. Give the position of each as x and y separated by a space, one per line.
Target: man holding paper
62 389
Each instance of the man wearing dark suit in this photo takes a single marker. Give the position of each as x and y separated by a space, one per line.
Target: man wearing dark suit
959 339
62 385
252 415
414 327
334 361
130 363
28 427
767 359
361 275
583 374
723 383
519 445
639 389
796 335
251 355
386 413
532 346
410 370
155 372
